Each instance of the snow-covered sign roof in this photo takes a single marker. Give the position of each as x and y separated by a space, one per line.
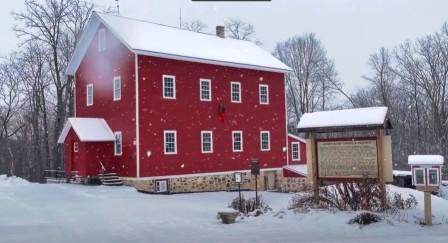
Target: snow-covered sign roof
371 117
153 39
299 169
88 130
425 160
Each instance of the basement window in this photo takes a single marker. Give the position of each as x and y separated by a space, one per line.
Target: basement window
161 186
295 151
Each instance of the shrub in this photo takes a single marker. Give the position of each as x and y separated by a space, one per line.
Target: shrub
248 206
365 218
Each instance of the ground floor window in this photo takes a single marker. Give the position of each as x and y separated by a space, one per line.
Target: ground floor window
295 150
118 144
237 141
170 142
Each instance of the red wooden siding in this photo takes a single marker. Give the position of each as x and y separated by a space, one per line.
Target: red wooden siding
188 116
100 69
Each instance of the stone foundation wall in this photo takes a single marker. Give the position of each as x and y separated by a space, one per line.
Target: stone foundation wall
267 181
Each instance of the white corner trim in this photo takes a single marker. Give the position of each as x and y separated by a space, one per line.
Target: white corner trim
137 120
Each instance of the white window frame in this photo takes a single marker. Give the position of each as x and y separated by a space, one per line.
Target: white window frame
117 92
75 147
239 93
116 153
174 86
164 142
209 81
233 141
260 94
261 140
101 40
89 103
438 176
298 151
211 142
415 177
157 186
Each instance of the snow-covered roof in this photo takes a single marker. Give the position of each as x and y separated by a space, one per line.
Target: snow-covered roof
359 117
297 138
88 130
402 173
425 160
299 169
153 39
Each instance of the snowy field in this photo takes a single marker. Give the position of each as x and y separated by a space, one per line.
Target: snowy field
75 213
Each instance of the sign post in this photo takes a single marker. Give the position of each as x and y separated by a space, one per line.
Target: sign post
239 179
255 170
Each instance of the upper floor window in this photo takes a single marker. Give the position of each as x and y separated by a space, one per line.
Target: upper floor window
265 141
170 142
206 142
169 87
235 92
118 145
237 141
264 94
117 88
89 95
75 147
205 90
295 151
101 40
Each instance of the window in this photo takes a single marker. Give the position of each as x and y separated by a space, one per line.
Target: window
237 141
101 40
118 144
75 147
419 177
295 151
117 88
89 94
205 90
265 143
170 145
433 177
206 142
235 92
264 94
169 87
161 186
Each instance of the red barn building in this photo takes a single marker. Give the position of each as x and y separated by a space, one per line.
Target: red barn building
173 110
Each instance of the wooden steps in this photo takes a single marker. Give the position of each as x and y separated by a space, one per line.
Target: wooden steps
110 179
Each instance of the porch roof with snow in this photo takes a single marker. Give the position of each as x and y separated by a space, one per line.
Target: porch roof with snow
425 160
343 120
88 130
152 39
300 169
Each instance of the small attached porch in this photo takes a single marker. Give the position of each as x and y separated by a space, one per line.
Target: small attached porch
88 151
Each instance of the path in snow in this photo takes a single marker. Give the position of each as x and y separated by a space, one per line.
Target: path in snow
75 213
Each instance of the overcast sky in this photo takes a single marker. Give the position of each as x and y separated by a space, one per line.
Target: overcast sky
350 30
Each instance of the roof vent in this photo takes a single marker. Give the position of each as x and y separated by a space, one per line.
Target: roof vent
220 31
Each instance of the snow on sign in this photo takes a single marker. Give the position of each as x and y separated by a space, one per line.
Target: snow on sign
347 159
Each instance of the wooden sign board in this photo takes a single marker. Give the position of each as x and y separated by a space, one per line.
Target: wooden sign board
347 158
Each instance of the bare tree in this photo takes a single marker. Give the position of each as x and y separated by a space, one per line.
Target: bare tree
194 25
239 29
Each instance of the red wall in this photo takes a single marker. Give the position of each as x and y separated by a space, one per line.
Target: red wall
99 69
302 151
188 115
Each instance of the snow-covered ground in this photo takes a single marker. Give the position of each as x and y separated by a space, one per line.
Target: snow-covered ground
74 213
